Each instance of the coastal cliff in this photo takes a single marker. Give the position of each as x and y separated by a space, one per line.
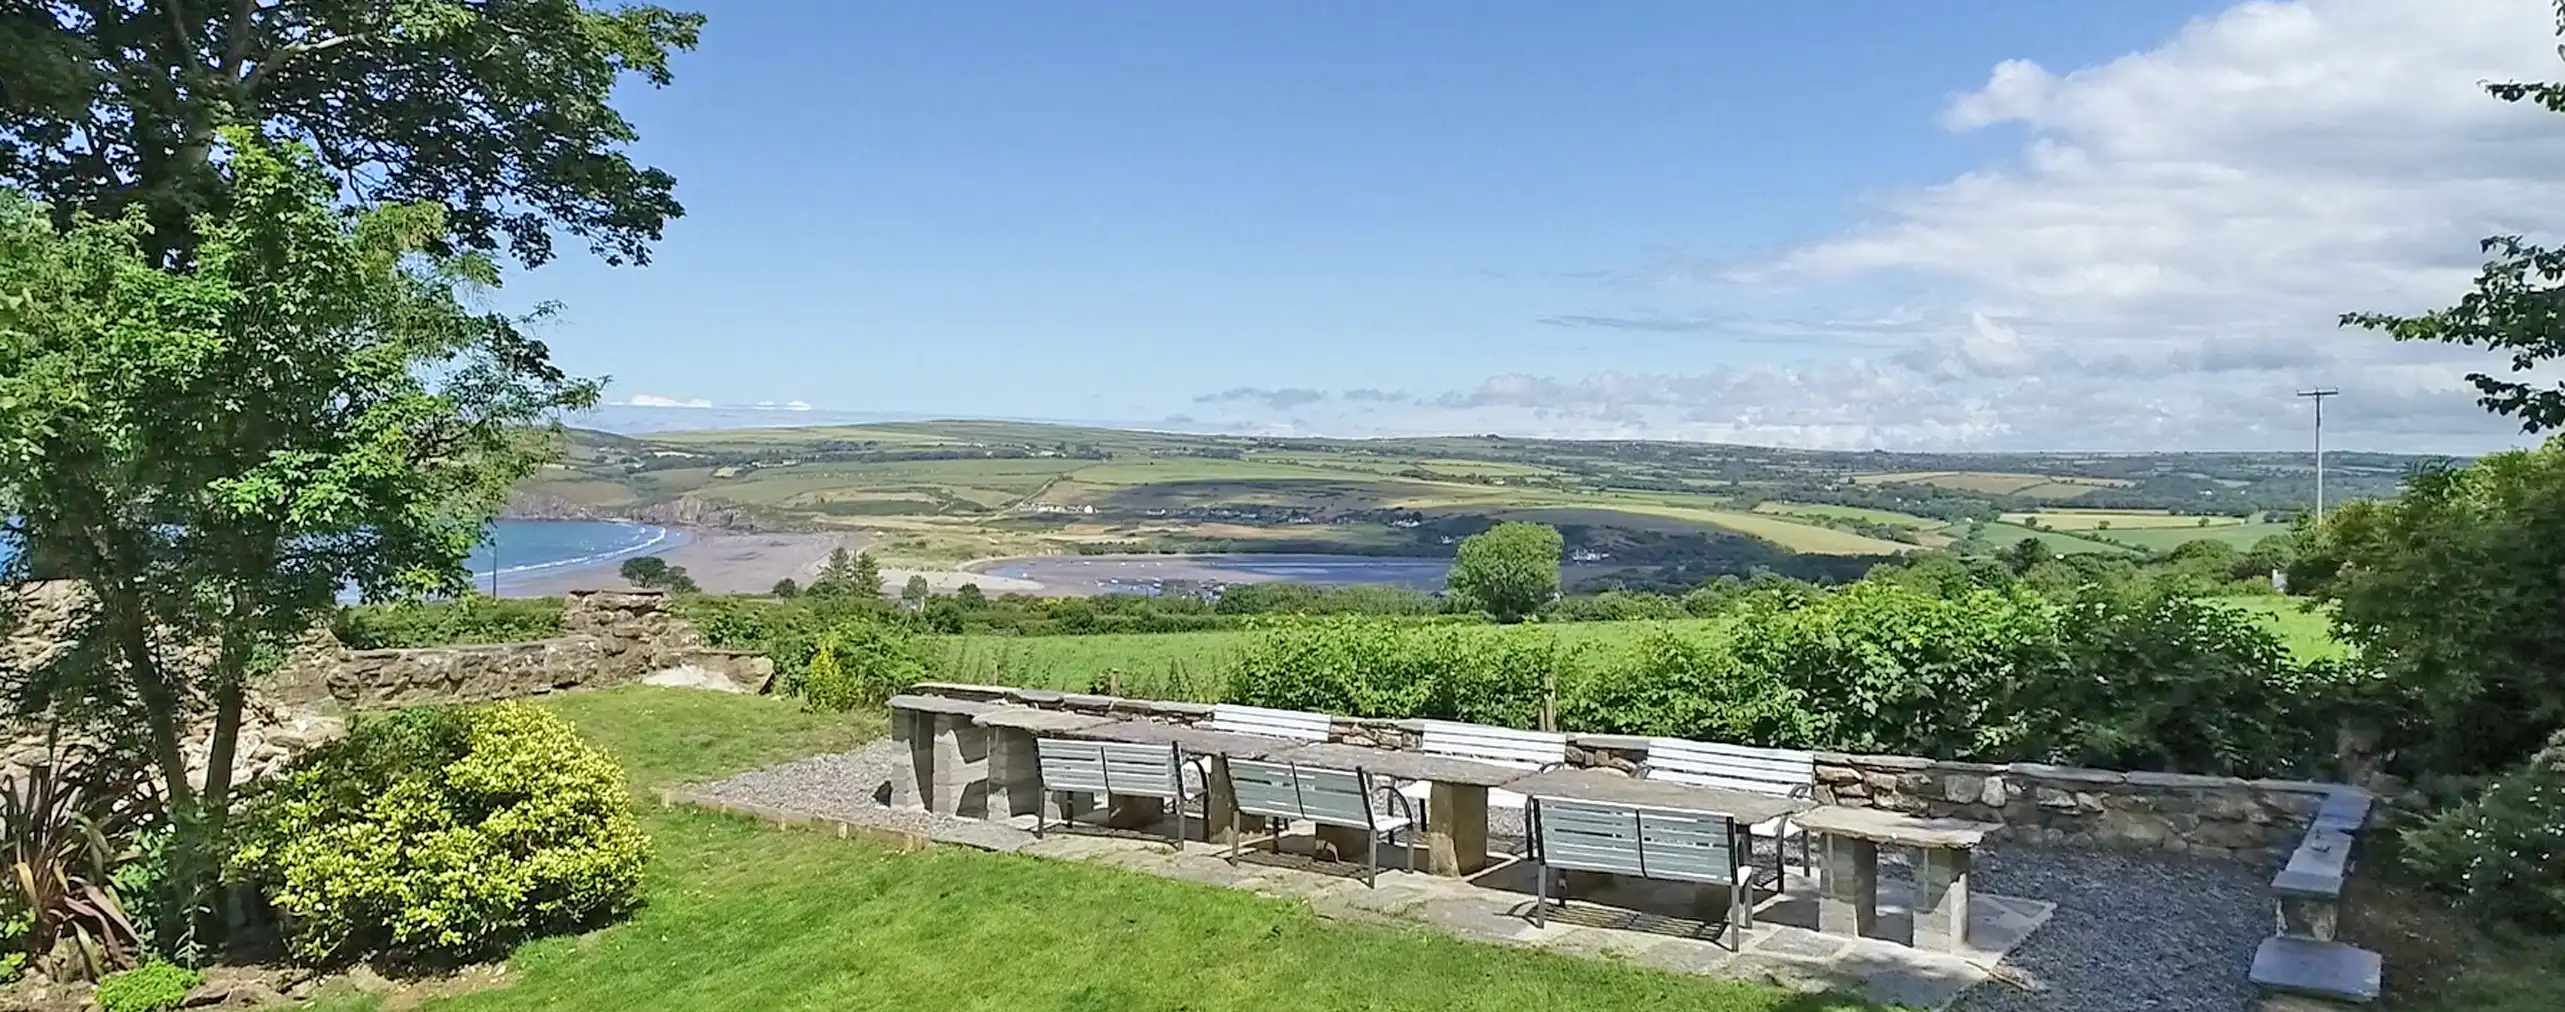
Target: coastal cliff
685 511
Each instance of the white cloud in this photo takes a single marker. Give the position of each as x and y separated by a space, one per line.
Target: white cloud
656 401
2160 264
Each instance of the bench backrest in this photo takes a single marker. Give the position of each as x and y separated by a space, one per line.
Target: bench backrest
1503 746
1296 724
1293 791
1108 767
1659 843
1780 771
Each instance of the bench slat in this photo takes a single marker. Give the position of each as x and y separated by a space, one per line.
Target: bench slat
1654 843
1494 744
1295 724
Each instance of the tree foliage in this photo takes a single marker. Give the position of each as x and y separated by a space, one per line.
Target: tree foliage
215 450
1509 570
2453 591
495 109
2516 307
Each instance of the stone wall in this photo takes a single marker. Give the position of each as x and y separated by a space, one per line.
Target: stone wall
2212 816
610 638
2258 820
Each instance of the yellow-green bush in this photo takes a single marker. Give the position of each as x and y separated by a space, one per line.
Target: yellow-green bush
152 987
443 835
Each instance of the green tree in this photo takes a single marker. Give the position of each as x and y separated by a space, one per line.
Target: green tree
646 571
915 592
654 573
497 110
2452 590
2021 555
786 588
215 450
1509 570
2515 309
868 577
969 596
837 576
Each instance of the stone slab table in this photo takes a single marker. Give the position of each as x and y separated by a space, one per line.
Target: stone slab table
1455 813
1848 901
947 754
1015 763
1744 808
1219 806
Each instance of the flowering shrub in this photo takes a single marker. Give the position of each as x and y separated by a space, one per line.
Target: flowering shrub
2504 851
443 835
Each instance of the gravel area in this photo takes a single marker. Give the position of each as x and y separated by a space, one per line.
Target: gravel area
2132 931
855 786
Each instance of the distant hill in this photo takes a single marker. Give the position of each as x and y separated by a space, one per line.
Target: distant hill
947 491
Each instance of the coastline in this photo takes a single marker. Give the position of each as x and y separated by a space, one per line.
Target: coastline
734 562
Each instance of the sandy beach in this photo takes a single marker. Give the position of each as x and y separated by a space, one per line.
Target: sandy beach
728 562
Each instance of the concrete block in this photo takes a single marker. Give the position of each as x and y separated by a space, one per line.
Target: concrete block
2328 970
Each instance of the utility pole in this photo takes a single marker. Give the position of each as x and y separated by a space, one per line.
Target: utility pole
2318 395
494 558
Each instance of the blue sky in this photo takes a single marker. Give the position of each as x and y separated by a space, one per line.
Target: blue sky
1851 224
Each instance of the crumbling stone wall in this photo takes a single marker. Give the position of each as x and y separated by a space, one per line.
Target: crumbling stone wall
610 638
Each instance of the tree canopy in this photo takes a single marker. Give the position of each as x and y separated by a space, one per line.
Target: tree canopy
215 450
1509 570
496 109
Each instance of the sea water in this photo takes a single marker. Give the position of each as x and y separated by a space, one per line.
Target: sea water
520 549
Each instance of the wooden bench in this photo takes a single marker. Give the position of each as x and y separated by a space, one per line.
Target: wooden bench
1298 725
1781 772
1121 773
1529 751
1285 792
1642 841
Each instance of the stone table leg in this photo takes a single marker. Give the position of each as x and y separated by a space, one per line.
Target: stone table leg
1849 903
1015 774
914 731
957 774
1456 829
1219 804
1942 893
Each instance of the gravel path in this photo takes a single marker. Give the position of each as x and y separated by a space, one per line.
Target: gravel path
2132 932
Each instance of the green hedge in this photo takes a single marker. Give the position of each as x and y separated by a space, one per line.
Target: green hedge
473 618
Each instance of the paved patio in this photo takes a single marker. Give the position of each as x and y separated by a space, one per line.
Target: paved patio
1642 923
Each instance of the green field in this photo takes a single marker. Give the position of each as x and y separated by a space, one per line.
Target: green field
2307 633
946 491
740 916
1862 513
2005 535
1157 661
2159 539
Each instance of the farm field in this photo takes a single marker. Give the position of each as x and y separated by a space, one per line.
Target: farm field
2161 539
2059 543
935 493
2308 634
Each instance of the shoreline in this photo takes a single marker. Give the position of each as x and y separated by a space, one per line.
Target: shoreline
735 562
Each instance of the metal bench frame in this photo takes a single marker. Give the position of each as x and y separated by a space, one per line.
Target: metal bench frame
1067 769
1643 841
1261 793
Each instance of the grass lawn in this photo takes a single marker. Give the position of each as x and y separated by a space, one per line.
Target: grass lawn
1153 662
742 917
2307 634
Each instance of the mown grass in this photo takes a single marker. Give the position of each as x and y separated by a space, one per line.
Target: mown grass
743 917
2308 633
1151 663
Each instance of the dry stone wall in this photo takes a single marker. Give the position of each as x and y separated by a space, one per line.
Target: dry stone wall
2221 817
611 638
